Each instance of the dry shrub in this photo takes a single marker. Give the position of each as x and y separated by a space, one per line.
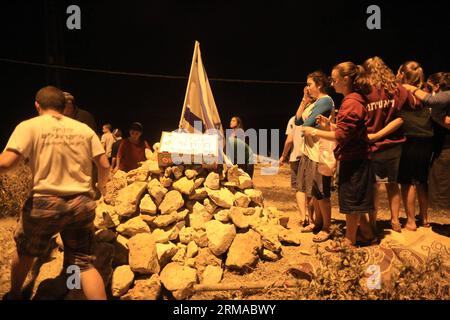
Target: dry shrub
343 276
15 187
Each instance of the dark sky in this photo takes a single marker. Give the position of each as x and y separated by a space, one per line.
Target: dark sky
261 40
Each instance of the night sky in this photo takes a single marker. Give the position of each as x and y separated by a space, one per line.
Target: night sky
251 40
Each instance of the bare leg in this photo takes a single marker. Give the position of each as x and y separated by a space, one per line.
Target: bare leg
394 197
302 205
409 199
311 209
366 228
93 286
20 266
318 220
352 221
373 214
325 213
422 192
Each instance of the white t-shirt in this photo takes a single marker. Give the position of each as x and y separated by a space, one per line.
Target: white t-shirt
297 136
60 152
107 142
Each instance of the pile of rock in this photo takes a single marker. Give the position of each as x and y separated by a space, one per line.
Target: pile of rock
181 225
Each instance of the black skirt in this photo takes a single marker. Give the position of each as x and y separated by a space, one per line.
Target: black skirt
356 186
415 160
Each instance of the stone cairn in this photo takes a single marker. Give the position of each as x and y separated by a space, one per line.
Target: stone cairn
182 225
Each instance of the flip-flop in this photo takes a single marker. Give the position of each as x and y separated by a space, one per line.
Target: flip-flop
318 238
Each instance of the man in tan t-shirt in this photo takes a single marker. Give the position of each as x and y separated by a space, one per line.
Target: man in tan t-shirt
60 152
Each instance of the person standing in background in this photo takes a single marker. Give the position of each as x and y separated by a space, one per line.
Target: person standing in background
107 139
417 150
117 133
132 149
71 110
439 177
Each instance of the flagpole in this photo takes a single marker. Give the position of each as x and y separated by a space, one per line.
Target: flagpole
189 81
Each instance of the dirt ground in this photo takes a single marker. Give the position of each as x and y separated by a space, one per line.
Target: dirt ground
278 193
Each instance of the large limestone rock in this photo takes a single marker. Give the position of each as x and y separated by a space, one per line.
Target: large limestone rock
241 200
151 166
256 196
186 235
222 215
128 198
190 173
212 181
211 275
122 279
223 197
180 256
233 174
160 236
156 190
191 250
178 279
290 237
113 186
269 236
269 255
199 217
172 202
244 251
184 185
198 182
206 258
132 227
145 289
239 178
165 220
220 236
239 219
177 171
143 256
165 252
209 206
105 216
165 181
200 238
245 182
199 194
147 205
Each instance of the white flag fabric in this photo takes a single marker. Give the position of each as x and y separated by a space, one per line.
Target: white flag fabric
199 104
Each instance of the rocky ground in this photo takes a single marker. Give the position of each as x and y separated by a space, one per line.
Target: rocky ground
277 193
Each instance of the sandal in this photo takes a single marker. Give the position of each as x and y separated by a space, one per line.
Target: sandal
322 236
396 226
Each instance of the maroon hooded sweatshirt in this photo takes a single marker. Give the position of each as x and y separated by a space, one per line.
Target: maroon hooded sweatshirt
351 131
382 109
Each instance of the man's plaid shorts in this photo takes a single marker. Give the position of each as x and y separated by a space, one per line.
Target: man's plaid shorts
71 216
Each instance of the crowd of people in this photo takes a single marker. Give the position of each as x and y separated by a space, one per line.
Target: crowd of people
391 130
